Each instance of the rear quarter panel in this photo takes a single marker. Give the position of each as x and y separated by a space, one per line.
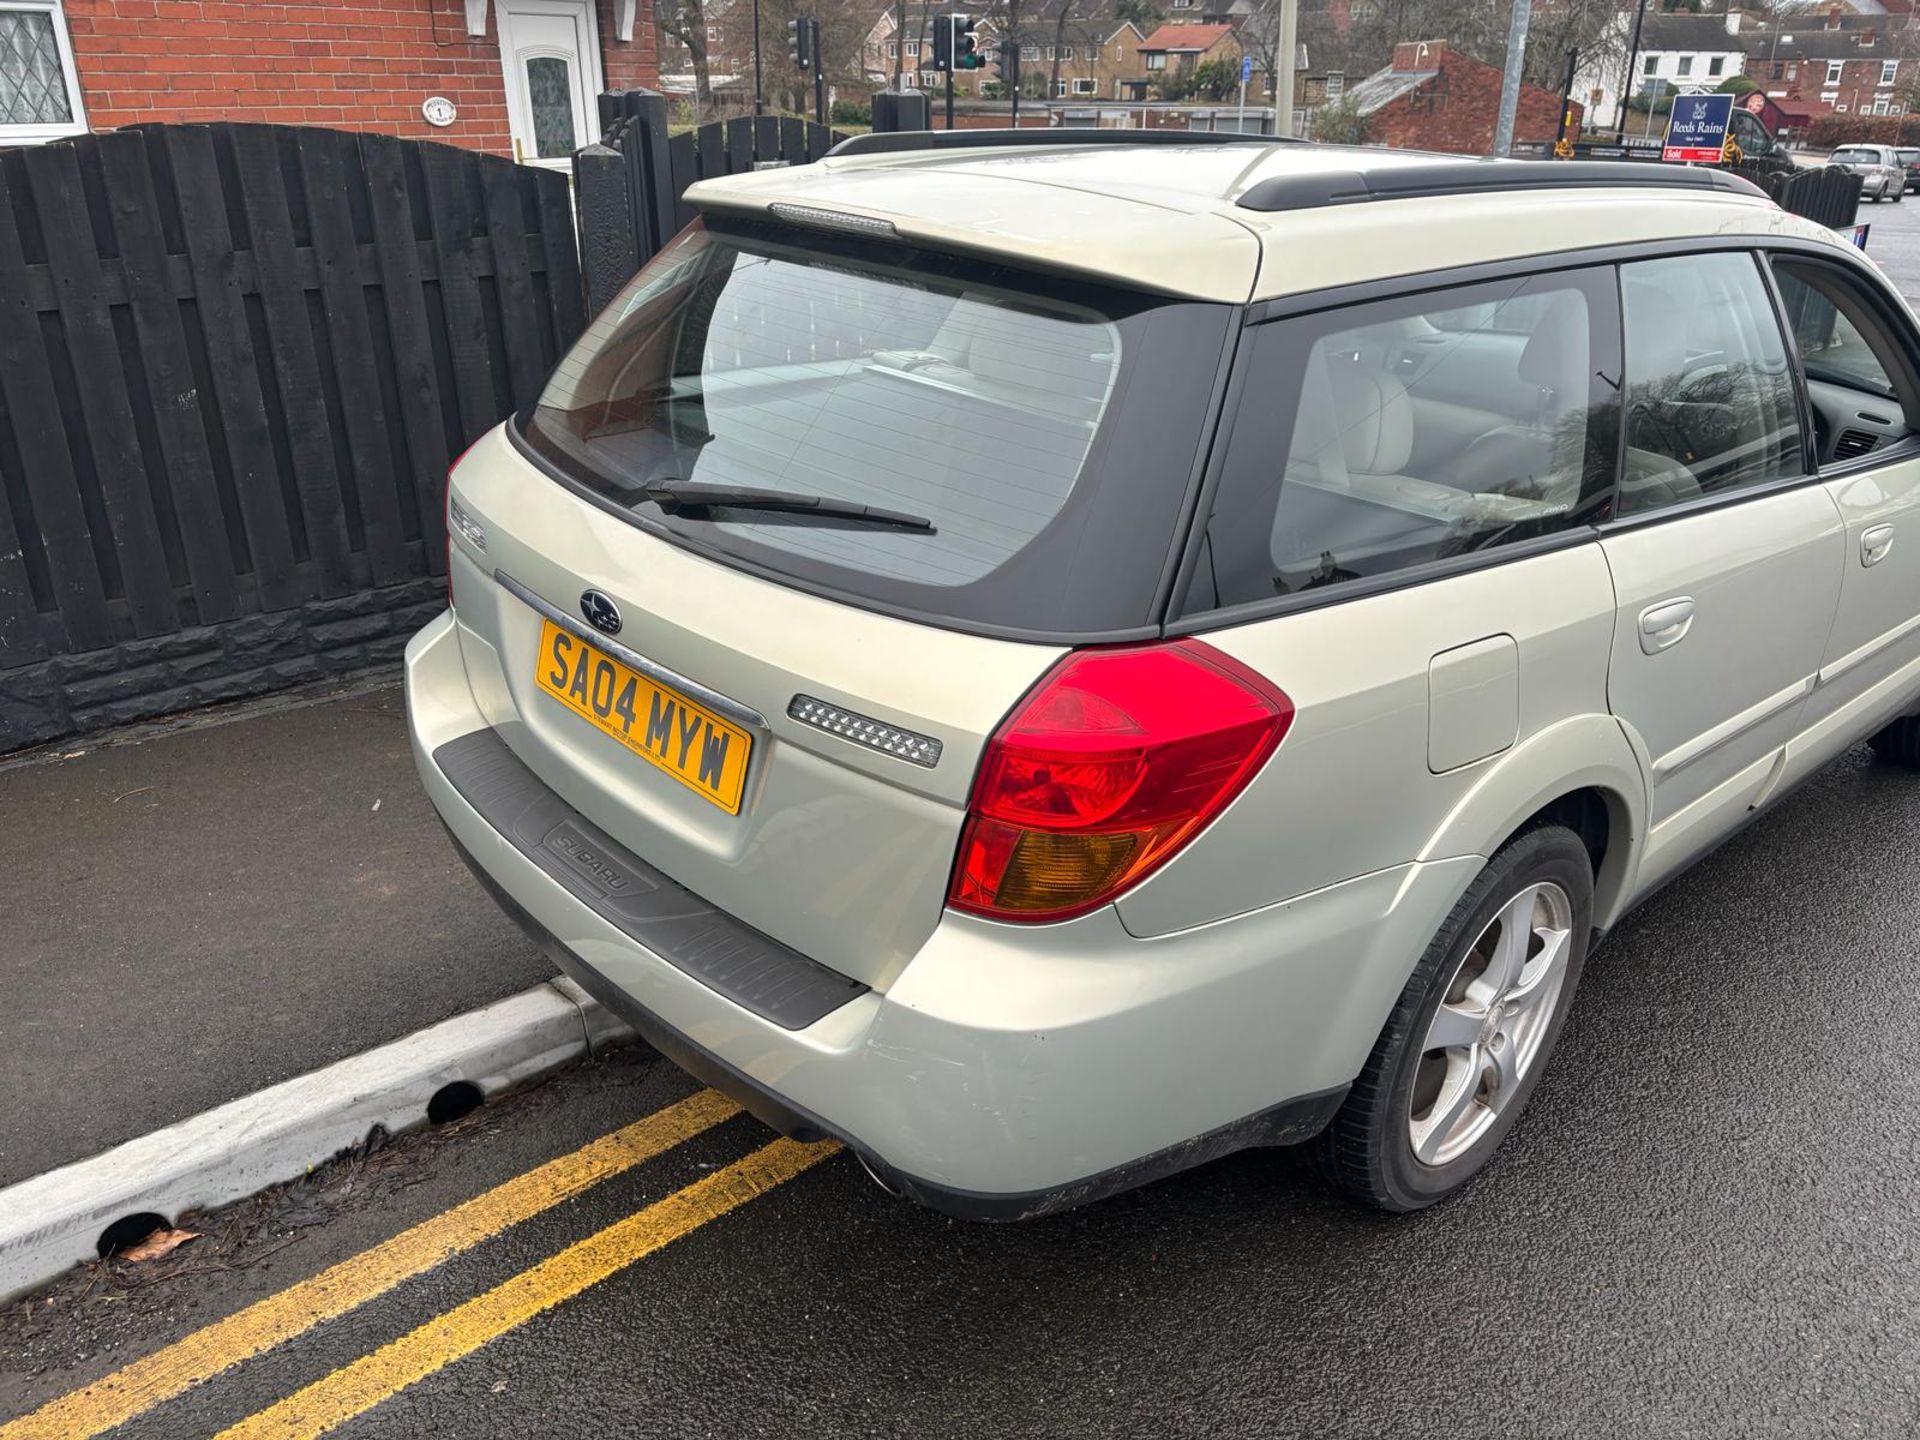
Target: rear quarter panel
1351 791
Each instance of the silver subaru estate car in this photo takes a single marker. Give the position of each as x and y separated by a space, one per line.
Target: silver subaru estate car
1054 657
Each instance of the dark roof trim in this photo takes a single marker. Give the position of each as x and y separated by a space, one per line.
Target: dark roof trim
1465 177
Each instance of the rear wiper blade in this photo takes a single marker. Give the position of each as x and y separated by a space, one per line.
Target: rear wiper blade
692 498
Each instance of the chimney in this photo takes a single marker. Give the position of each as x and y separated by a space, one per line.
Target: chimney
1419 54
1833 17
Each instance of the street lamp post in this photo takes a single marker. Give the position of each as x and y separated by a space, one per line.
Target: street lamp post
758 104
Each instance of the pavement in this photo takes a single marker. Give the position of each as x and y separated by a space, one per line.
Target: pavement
1702 1227
228 902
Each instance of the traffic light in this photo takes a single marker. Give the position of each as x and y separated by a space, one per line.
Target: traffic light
800 42
966 50
954 47
1006 64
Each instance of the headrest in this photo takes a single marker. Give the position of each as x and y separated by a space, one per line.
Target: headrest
1555 357
1375 418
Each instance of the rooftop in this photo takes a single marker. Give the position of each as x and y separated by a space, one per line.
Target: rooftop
1170 217
1186 37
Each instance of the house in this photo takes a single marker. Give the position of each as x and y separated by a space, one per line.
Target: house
1852 68
1087 54
515 77
1843 58
1435 98
1174 49
1691 53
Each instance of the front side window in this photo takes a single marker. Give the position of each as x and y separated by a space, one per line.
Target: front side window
1375 439
1862 388
39 91
978 406
1709 403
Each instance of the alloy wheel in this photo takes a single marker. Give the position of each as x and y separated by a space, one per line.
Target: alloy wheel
1487 1032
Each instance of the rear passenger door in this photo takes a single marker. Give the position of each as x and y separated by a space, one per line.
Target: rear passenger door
1863 388
1726 562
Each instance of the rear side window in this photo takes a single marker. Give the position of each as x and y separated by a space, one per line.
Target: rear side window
1043 432
1710 403
1384 437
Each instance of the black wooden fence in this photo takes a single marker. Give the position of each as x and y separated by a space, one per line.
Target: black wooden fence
1826 194
234 363
631 185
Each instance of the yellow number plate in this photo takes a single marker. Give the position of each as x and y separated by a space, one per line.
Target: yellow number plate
703 752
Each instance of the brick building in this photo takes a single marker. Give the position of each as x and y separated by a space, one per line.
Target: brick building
1173 52
509 76
1850 68
1435 98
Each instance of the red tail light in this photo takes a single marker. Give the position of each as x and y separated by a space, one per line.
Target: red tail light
1109 766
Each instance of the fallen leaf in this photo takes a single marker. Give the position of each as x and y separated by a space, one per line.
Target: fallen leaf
160 1242
376 805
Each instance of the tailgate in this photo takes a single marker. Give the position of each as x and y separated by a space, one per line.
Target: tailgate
838 849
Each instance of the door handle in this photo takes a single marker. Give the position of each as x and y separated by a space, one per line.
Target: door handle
1875 544
1665 625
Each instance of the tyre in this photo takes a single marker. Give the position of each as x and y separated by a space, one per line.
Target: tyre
1465 1044
1899 743
1899 194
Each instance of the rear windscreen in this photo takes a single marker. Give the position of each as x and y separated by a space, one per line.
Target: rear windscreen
1036 435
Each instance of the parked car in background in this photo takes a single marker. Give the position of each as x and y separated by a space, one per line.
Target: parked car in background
1882 174
1909 156
1051 657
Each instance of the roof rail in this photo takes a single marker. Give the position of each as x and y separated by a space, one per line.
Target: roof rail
889 142
1467 177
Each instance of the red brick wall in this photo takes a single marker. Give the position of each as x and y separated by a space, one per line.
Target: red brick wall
351 64
1457 109
634 66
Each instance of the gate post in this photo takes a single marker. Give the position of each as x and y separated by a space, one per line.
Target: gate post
651 174
609 250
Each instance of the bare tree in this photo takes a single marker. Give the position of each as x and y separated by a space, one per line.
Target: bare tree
686 22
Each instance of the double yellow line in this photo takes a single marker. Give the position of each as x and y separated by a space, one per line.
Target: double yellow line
358 1387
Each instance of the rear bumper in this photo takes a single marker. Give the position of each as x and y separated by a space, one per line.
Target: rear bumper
1008 1071
1285 1124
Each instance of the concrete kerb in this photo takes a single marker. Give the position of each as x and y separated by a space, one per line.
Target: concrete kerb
55 1220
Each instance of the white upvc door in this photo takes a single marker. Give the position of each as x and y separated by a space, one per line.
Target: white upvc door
550 50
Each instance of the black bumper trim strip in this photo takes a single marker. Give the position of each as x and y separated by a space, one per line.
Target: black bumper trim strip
750 969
